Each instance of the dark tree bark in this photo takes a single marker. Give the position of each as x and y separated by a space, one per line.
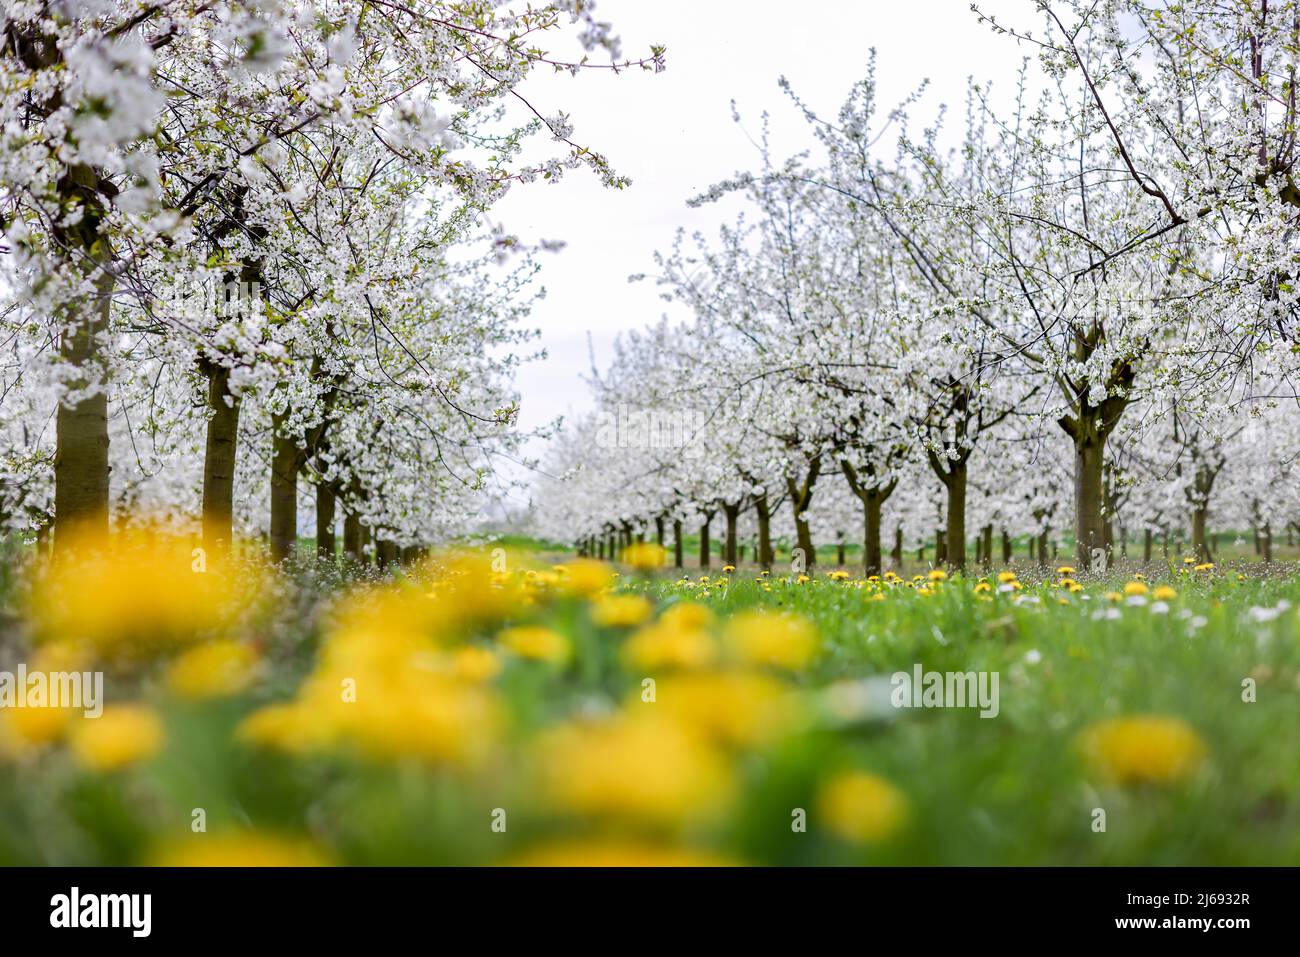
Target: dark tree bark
353 540
800 498
952 473
764 512
325 543
219 460
286 459
678 556
872 499
81 428
732 513
1089 428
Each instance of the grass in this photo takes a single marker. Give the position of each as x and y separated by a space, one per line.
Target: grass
1013 789
1018 788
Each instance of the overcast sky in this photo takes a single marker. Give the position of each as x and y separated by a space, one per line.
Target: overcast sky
672 133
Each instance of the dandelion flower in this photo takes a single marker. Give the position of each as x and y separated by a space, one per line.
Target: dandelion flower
1147 749
861 807
124 734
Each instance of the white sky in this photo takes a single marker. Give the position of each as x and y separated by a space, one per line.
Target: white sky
672 133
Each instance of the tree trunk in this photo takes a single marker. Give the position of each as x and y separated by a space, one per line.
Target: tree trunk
839 553
1006 548
286 459
678 557
940 547
871 558
219 461
956 530
1089 498
897 553
325 544
1146 544
731 512
764 533
352 536
659 530
1266 541
1200 541
704 543
986 546
81 430
800 499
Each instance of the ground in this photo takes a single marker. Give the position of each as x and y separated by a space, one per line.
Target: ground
527 706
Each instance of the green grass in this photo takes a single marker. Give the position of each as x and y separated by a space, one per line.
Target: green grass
1013 789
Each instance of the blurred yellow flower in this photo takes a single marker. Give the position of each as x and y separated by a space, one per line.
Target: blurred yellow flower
669 644
771 638
616 853
212 670
537 642
384 696
475 663
646 556
862 807
1145 749
133 596
238 850
687 614
1005 577
23 729
735 708
587 576
1164 593
124 734
1135 588
937 575
1065 570
1204 567
621 611
643 767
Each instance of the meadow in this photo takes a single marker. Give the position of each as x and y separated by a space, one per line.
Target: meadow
519 706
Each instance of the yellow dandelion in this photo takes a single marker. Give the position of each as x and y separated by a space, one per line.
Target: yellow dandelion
861 807
621 611
124 734
769 638
1152 749
536 642
213 670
